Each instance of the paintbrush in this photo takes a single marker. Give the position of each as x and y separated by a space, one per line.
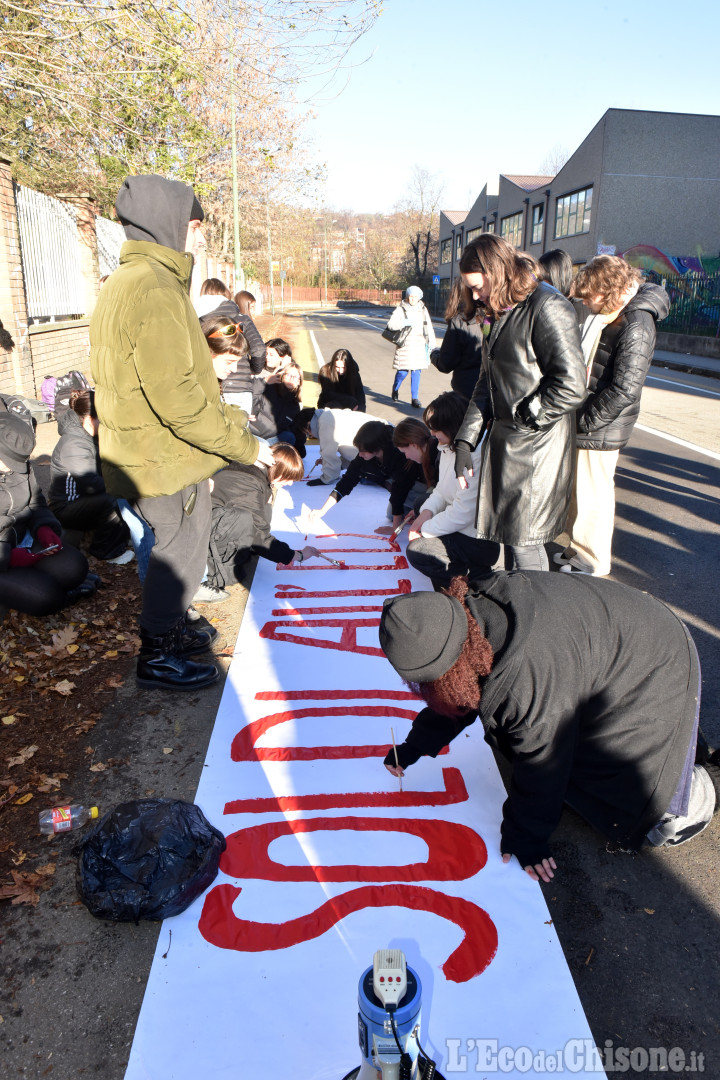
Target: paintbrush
397 763
318 462
396 532
339 563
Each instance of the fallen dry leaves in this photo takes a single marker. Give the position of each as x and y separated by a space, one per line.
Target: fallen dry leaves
27 885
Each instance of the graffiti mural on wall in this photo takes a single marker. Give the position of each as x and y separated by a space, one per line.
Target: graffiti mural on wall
647 257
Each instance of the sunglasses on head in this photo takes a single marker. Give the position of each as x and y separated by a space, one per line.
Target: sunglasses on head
227 331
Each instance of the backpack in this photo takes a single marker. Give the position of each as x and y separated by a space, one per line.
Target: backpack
64 386
47 391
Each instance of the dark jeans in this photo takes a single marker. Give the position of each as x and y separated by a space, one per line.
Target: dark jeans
42 589
441 558
100 514
533 557
177 560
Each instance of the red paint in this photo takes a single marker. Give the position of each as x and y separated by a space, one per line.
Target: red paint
244 749
321 695
299 593
326 610
221 927
455 851
348 638
398 563
455 792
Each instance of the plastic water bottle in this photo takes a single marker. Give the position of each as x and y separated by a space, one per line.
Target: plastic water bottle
64 818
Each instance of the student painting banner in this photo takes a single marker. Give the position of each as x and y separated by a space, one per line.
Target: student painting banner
328 860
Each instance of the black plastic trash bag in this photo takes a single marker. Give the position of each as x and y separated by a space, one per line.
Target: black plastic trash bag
147 859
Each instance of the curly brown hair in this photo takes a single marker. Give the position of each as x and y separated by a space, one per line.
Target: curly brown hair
512 275
459 690
608 276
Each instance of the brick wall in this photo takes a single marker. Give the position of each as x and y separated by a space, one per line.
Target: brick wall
57 348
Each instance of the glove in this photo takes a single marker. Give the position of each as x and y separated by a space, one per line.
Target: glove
23 557
46 537
463 458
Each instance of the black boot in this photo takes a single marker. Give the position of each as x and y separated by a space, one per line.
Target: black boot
161 665
395 395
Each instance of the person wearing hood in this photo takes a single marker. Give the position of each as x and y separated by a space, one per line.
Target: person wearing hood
77 490
589 689
164 430
618 315
216 301
38 574
414 353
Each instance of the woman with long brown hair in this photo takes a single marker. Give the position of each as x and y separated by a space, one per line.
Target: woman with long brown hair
532 381
340 383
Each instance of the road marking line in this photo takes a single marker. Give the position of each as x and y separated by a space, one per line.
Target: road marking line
680 442
686 386
318 353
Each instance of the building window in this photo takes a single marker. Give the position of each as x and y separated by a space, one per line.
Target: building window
538 216
446 251
511 229
572 213
473 235
458 247
490 226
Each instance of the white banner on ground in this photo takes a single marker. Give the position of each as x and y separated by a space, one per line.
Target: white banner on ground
327 860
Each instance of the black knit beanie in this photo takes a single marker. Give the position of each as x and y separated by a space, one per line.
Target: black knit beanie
422 634
17 440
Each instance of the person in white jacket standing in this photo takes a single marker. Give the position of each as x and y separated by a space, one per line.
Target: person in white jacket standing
442 538
414 353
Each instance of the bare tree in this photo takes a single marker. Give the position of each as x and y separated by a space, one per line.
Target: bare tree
420 211
554 160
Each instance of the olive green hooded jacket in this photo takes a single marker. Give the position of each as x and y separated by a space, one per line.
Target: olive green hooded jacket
163 426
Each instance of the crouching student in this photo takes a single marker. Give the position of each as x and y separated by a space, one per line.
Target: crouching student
77 490
38 575
442 539
335 430
242 501
379 460
591 693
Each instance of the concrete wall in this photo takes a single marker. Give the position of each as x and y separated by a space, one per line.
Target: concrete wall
57 348
584 169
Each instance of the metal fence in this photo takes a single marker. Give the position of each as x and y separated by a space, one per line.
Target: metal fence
110 238
694 303
50 256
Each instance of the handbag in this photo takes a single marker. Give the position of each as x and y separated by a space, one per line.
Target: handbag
398 337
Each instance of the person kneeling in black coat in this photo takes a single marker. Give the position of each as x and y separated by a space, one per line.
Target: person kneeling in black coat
242 500
589 688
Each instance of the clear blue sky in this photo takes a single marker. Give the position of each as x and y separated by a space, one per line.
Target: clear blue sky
468 90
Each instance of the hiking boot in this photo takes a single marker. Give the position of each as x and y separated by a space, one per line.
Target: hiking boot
161 666
209 594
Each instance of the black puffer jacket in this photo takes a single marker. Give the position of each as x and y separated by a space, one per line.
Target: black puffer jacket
22 509
529 389
461 354
619 369
246 487
75 463
395 472
274 407
592 698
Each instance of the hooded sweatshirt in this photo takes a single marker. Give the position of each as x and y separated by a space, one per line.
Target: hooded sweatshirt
163 426
618 370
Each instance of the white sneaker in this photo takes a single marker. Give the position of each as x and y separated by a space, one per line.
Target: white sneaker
122 560
209 594
674 829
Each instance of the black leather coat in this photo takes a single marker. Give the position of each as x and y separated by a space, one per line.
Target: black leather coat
619 369
532 382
